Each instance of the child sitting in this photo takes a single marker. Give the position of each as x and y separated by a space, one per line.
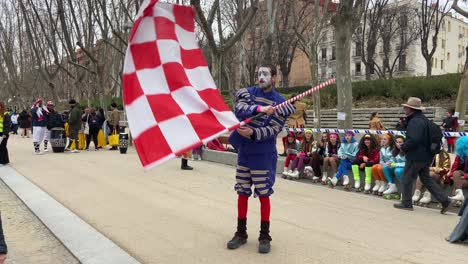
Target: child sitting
387 145
347 154
368 156
396 166
292 148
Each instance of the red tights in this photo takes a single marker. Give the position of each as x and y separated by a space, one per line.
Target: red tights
243 203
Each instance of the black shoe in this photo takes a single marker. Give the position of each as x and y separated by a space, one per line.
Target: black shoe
240 237
403 207
184 165
237 241
283 154
264 246
265 238
445 206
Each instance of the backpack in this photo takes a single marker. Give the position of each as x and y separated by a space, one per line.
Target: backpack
435 137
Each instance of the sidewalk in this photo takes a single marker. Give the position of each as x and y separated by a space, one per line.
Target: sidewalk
29 241
173 216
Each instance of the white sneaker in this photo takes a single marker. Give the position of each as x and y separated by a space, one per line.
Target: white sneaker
295 174
392 188
308 168
376 186
346 180
458 195
383 187
357 184
427 198
324 177
367 187
46 150
333 181
199 157
416 196
315 178
38 153
74 151
285 171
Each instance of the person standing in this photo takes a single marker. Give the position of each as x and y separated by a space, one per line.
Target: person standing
24 123
95 125
257 154
74 123
14 123
113 121
39 121
450 124
418 157
3 245
5 125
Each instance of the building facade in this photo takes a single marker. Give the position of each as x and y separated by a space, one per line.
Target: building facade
449 56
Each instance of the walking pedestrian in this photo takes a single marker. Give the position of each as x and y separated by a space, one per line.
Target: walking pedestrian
418 157
5 125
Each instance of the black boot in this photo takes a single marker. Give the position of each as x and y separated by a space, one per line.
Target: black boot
265 238
184 165
240 237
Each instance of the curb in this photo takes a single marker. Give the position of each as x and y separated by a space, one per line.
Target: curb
84 242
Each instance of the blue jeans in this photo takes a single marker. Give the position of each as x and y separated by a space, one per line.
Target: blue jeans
343 168
389 172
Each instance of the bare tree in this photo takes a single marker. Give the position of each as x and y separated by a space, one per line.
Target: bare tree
431 15
219 49
397 23
345 22
462 97
367 36
310 31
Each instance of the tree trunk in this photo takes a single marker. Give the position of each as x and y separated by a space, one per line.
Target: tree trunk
428 67
462 97
314 81
343 72
242 64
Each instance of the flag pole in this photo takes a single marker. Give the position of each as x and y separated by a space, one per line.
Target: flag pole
290 100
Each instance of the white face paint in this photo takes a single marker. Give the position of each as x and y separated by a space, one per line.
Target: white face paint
264 77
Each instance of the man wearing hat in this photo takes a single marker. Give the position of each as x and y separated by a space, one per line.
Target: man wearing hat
39 121
418 156
74 124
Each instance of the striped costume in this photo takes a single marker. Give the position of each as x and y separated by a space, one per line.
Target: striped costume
257 155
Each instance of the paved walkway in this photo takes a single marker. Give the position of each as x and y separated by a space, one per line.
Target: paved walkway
29 241
173 216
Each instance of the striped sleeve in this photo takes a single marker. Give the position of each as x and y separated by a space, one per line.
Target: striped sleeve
271 130
286 110
245 107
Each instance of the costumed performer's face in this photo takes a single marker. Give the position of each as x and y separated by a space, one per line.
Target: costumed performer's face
265 80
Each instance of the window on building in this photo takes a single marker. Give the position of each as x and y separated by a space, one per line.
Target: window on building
443 44
358 68
358 49
441 64
333 53
448 56
402 63
449 26
324 54
323 71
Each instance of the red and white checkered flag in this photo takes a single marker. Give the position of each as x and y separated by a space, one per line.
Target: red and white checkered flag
171 100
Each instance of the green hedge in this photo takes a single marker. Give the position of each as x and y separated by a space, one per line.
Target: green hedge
426 88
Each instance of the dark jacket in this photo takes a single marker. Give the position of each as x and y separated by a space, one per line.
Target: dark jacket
23 120
3 246
55 120
75 118
95 122
39 121
417 145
